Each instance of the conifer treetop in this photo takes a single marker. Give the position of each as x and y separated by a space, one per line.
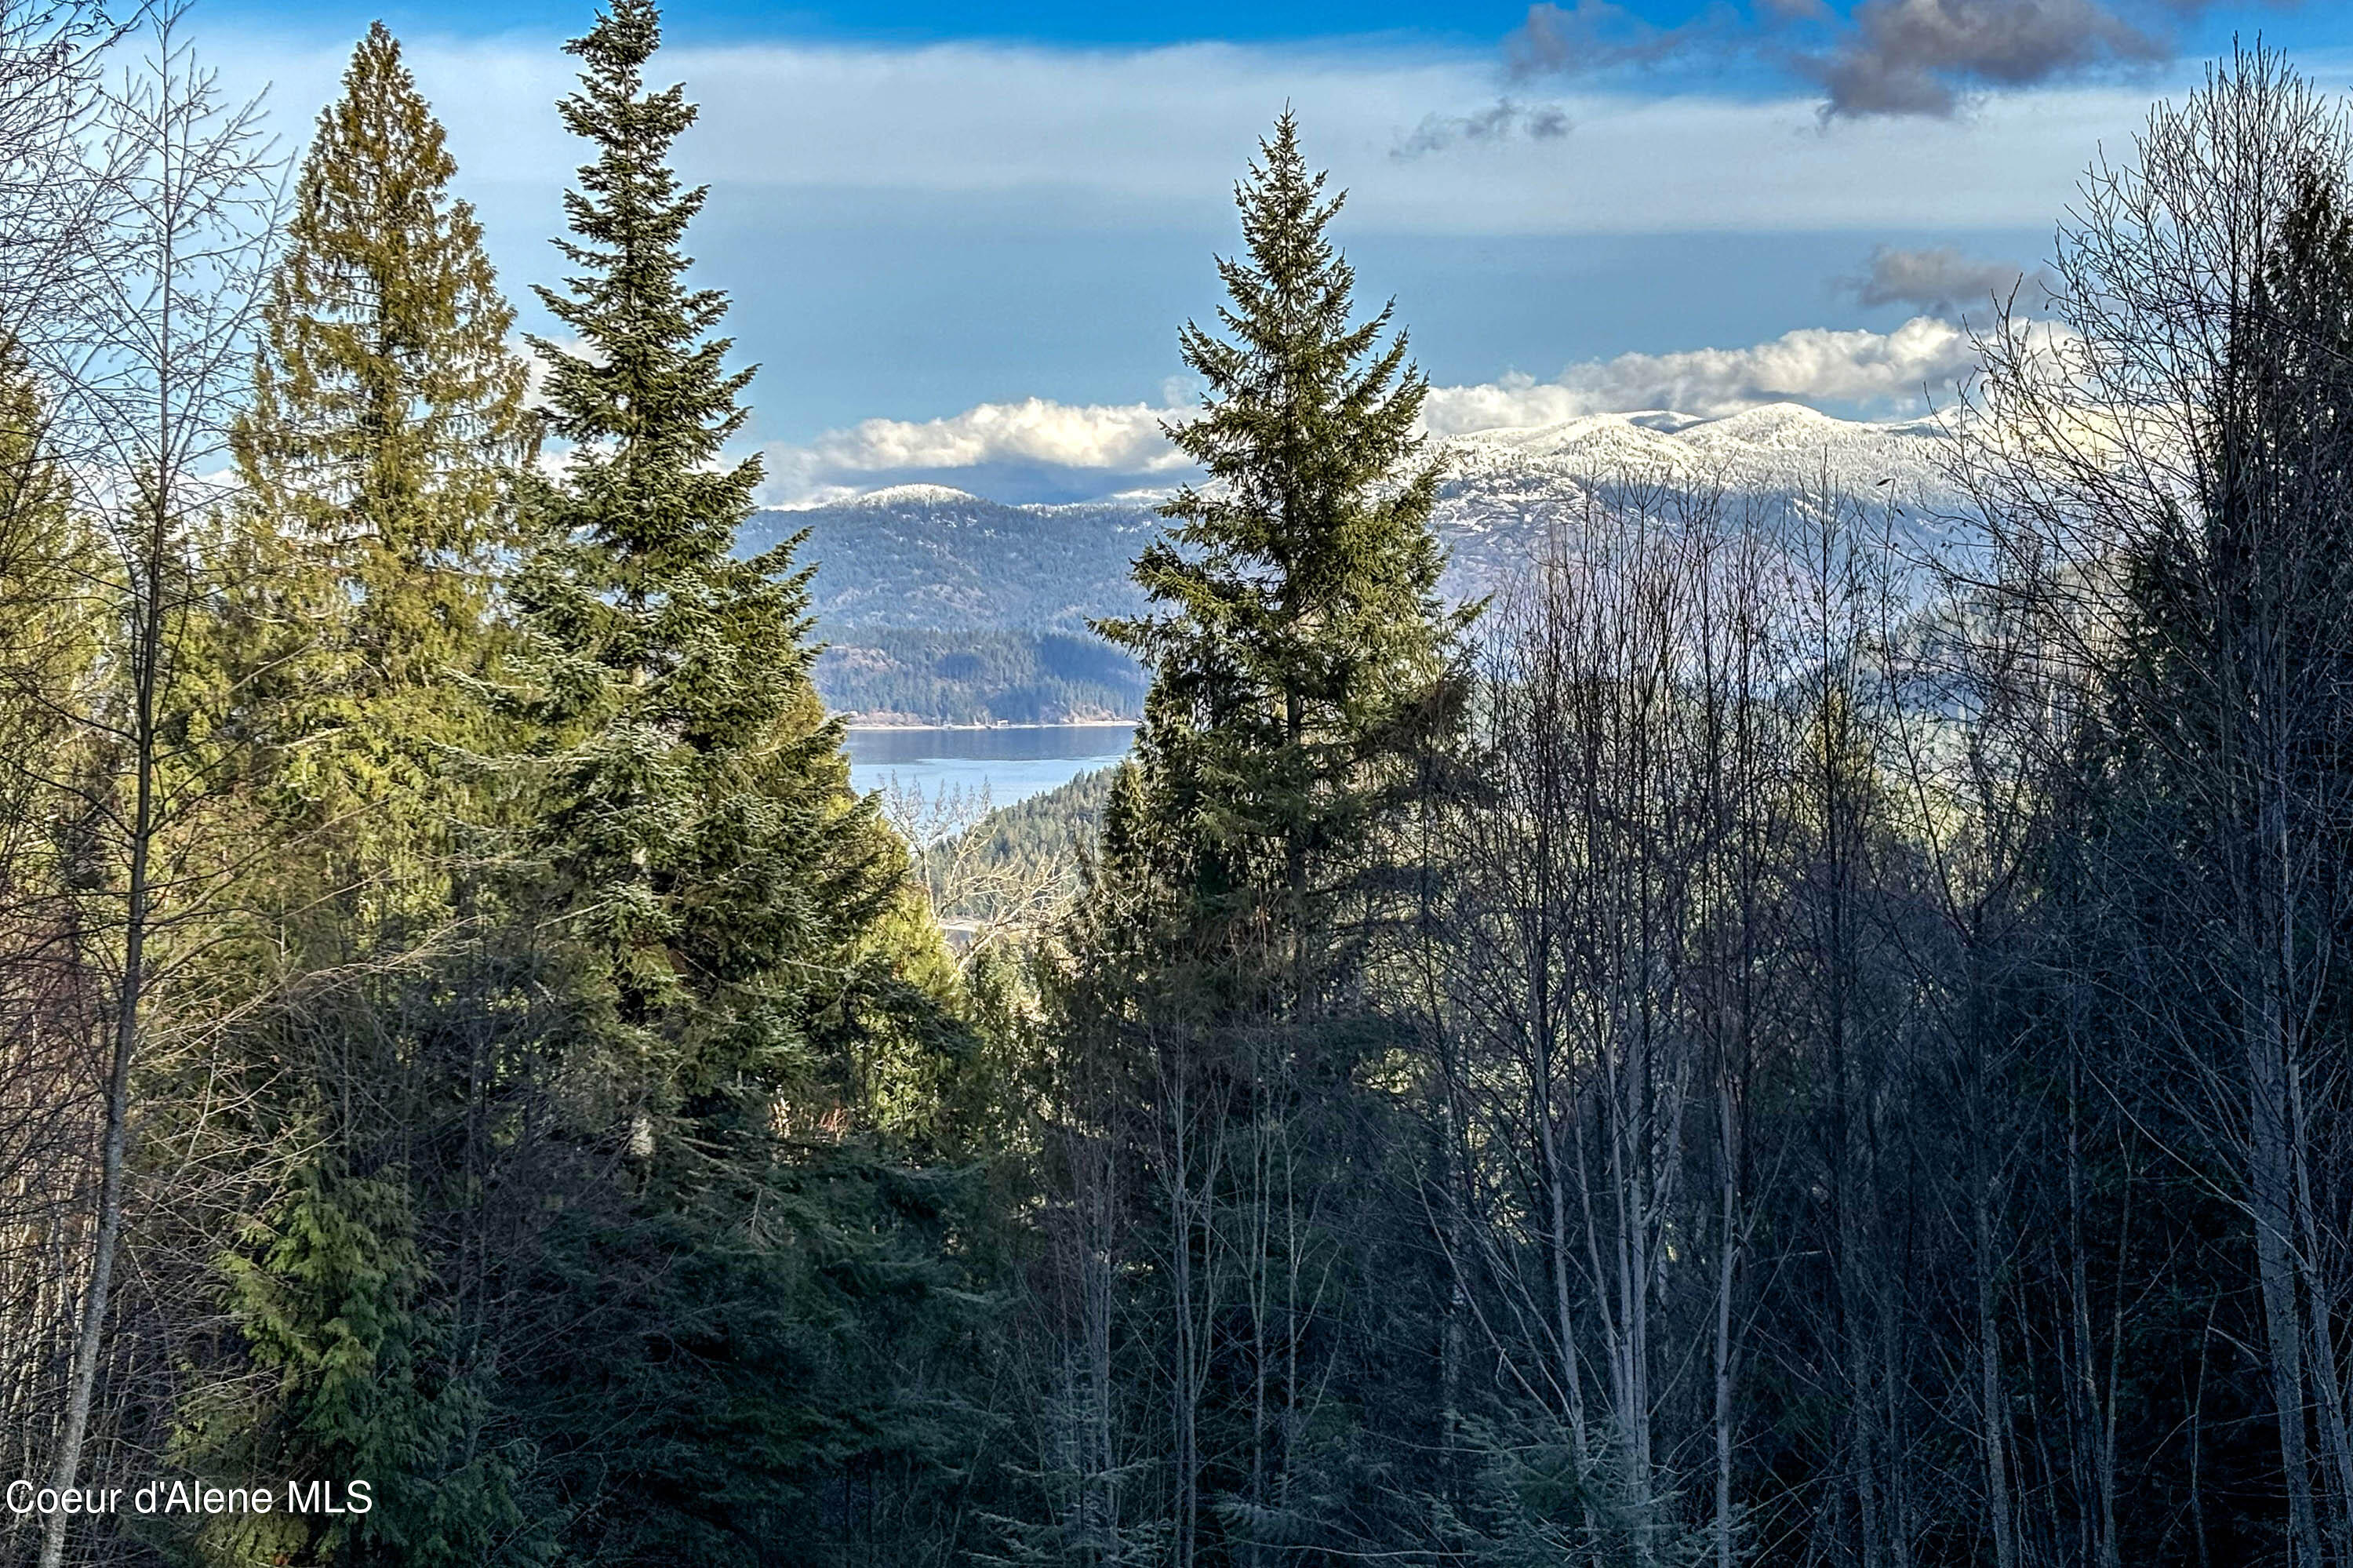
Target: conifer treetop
388 407
1299 419
379 453
646 402
699 829
1311 545
1301 654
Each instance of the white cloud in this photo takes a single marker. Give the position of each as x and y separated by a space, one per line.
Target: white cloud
1867 370
1813 364
1035 433
1124 437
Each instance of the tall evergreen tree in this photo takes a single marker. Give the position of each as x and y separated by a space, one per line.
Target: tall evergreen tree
1303 652
53 644
378 457
698 824
751 1025
49 642
1303 671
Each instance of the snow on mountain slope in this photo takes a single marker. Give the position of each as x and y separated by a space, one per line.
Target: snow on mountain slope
926 555
1513 491
1773 447
914 495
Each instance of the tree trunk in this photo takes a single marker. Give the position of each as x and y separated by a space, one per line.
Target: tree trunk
90 1342
2283 1319
1991 1393
1728 1263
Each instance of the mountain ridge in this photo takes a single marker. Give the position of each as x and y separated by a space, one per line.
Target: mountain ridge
924 555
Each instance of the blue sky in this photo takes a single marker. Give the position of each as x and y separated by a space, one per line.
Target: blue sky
1467 22
961 238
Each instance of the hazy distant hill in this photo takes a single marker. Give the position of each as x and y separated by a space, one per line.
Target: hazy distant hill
927 558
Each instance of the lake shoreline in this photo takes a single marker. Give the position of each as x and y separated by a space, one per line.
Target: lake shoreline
987 728
1006 763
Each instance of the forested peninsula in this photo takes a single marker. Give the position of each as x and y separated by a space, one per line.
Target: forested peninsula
1803 1028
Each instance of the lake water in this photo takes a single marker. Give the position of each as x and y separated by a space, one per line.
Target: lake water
1010 763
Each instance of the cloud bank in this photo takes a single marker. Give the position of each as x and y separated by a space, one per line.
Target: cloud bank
1881 60
967 172
1052 448
1158 136
1879 372
1035 435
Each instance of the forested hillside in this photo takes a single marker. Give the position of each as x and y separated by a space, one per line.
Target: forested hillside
1796 1025
924 557
940 608
1003 875
968 677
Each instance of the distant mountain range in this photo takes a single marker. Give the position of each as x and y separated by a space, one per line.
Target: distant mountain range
929 558
1759 449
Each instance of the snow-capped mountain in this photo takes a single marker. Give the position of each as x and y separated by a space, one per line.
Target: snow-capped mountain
1758 449
1515 493
929 556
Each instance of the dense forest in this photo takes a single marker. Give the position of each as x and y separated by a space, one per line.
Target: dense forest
967 677
1796 1032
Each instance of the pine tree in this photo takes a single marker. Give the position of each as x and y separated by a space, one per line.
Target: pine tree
1303 654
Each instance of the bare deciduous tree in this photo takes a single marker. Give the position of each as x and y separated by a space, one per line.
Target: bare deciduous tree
142 367
2166 486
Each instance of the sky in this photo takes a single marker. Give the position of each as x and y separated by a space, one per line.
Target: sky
960 238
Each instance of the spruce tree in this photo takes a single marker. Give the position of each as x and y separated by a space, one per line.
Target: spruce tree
1303 672
697 824
743 975
378 458
1302 655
